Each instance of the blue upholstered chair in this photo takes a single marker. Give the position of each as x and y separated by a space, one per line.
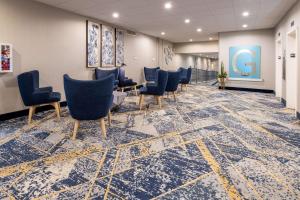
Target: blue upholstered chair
173 81
34 96
125 82
155 90
102 73
151 75
89 100
185 76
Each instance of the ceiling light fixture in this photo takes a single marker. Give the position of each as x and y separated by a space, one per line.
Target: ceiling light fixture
245 26
191 40
115 15
168 5
187 21
199 30
210 38
245 14
163 33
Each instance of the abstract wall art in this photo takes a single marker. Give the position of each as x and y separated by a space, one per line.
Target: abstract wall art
6 59
93 44
108 46
168 54
245 62
120 38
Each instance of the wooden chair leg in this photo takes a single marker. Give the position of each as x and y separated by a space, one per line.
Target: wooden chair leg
31 113
159 101
136 93
141 101
102 126
167 94
186 88
76 127
181 87
174 95
109 118
122 89
56 106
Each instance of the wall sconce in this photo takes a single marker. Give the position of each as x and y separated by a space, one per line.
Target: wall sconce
279 57
293 55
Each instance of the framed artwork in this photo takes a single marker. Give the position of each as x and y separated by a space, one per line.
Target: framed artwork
93 44
6 59
120 38
245 63
108 46
168 54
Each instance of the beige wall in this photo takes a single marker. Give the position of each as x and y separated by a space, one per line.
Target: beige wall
196 47
263 38
283 28
54 42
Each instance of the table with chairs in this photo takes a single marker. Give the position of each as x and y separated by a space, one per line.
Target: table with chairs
94 99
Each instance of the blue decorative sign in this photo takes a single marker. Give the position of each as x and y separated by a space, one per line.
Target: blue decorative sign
244 62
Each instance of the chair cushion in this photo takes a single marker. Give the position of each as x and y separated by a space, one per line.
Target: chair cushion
55 96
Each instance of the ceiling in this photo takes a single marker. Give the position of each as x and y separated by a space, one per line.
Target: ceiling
212 16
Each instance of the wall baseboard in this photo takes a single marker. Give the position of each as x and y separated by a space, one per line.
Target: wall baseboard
283 101
249 89
22 113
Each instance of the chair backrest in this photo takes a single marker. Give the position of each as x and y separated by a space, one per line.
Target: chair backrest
173 81
102 73
151 73
89 100
28 82
162 82
185 73
121 74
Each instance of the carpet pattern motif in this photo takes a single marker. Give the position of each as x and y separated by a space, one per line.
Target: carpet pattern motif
210 144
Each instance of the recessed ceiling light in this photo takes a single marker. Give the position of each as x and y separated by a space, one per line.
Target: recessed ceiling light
163 33
191 40
210 38
245 26
115 15
187 21
199 30
168 5
245 14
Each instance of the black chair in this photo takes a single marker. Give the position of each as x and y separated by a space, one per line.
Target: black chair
155 90
172 84
185 76
34 96
89 100
102 73
125 82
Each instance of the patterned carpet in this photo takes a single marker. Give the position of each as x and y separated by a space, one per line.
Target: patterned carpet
210 144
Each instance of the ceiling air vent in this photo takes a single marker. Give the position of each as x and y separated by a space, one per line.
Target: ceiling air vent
131 33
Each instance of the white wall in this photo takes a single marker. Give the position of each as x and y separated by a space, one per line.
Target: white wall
263 38
54 42
197 47
283 28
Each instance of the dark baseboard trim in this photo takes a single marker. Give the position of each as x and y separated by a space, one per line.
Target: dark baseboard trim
22 113
249 89
283 101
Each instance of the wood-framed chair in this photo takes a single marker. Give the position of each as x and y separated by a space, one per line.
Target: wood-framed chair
172 84
155 90
125 82
185 77
89 100
34 96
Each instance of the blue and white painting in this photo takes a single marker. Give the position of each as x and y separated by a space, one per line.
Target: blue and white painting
244 62
93 44
108 46
120 35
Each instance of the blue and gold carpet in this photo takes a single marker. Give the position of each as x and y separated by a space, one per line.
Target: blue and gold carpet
210 144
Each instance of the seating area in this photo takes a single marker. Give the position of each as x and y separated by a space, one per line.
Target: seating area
143 99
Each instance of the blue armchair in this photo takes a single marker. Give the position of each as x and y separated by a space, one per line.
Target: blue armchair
173 81
151 75
155 90
185 76
89 100
102 73
125 82
34 96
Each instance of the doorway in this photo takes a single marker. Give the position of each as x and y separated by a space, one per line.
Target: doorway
279 69
292 69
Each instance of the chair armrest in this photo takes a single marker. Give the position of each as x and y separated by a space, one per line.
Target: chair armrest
45 89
